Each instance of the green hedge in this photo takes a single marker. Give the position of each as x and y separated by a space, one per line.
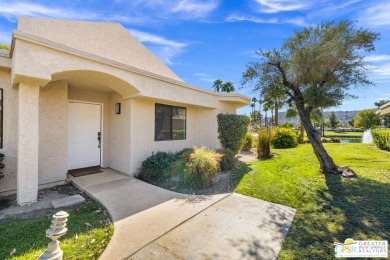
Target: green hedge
381 138
285 138
232 129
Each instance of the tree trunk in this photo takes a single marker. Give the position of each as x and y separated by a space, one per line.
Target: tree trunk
276 113
326 162
302 132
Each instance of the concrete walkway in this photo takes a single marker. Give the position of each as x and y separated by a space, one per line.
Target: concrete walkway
154 223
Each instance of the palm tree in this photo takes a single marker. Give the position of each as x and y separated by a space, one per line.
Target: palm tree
254 100
291 113
269 105
217 85
253 105
274 93
260 102
228 87
220 86
317 117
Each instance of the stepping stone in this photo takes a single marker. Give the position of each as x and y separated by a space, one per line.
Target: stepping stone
67 201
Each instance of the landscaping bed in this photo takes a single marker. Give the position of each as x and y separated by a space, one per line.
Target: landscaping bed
167 170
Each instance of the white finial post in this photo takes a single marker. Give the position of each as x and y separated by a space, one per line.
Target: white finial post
57 230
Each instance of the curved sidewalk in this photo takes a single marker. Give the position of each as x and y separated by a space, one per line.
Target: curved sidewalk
154 223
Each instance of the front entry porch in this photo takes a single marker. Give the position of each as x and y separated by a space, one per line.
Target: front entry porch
154 223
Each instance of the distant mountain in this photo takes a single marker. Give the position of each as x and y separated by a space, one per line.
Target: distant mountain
342 116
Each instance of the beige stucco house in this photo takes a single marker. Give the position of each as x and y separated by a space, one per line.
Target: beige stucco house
77 94
384 110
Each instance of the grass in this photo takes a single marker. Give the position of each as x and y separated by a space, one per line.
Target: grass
343 134
329 208
82 241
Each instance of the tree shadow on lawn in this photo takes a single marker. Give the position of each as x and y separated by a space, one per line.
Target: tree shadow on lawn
357 208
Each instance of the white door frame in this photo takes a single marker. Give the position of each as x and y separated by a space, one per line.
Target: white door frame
101 127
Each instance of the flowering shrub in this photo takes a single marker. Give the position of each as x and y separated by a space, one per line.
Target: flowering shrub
197 168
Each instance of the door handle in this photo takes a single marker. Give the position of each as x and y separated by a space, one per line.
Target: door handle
99 139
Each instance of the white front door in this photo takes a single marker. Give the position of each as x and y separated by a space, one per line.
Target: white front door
84 134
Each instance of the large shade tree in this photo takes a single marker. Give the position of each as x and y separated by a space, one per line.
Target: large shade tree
366 119
318 65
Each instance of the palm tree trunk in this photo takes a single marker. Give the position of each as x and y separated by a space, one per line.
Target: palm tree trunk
276 113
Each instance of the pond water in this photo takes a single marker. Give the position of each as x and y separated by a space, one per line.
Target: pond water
350 140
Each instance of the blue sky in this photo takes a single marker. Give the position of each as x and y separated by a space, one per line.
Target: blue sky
204 40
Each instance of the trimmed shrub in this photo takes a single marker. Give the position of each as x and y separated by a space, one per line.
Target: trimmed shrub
335 140
284 138
247 142
232 129
2 165
228 160
381 138
330 140
264 143
287 125
156 167
197 169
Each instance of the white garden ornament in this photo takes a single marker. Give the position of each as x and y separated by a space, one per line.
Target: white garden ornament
57 230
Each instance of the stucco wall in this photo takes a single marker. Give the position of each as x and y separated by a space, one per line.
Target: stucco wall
10 132
41 62
53 104
201 130
109 40
79 94
119 138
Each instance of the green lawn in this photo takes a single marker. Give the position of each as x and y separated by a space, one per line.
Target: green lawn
82 241
329 208
343 134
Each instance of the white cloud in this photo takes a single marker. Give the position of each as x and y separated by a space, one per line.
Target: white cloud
241 18
377 15
377 58
164 48
204 77
276 6
13 10
195 8
382 70
175 9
